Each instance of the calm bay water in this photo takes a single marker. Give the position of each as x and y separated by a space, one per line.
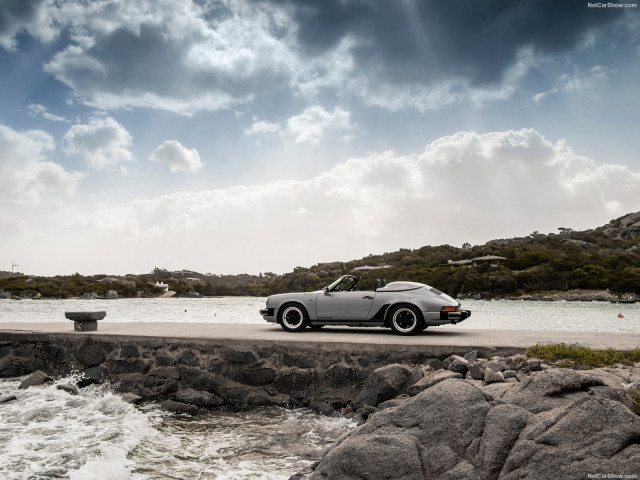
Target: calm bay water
500 314
47 433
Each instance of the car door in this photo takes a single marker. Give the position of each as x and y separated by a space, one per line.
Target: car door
344 305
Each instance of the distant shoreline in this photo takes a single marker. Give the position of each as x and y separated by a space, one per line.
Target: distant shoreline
570 296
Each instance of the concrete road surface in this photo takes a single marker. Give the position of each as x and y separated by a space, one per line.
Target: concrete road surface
440 340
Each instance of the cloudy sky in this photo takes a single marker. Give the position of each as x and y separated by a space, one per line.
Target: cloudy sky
248 136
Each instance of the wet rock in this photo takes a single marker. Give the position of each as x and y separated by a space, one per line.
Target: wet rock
366 411
431 380
36 379
456 363
131 398
305 473
179 407
385 383
92 376
259 400
198 380
7 398
191 396
326 408
237 396
161 381
70 389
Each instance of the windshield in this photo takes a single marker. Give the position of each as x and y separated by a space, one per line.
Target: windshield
343 284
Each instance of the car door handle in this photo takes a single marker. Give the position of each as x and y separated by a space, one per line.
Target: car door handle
367 296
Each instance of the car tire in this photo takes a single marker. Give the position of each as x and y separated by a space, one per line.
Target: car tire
405 320
292 317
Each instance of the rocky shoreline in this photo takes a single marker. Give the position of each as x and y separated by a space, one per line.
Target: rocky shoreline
569 296
499 418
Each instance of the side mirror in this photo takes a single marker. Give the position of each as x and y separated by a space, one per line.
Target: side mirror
326 290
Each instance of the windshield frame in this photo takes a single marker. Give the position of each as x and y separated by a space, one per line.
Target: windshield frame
345 279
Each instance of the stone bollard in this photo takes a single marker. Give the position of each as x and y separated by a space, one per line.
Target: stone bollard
85 321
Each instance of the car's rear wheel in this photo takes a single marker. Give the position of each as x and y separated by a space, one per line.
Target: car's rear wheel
405 320
293 317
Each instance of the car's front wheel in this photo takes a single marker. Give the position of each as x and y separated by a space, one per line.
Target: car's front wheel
405 320
293 317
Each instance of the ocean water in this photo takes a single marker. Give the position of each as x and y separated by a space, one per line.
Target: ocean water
47 433
500 314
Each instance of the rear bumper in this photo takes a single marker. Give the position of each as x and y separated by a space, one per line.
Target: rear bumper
455 317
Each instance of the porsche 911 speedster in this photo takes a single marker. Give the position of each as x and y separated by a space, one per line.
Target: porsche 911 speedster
405 307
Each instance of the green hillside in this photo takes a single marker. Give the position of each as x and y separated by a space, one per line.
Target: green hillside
604 258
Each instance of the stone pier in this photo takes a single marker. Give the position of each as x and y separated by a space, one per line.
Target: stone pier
251 364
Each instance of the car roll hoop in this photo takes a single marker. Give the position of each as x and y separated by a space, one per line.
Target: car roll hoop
379 283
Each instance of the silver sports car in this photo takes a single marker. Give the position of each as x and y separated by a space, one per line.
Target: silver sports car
405 307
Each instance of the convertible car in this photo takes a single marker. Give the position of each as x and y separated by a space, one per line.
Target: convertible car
405 307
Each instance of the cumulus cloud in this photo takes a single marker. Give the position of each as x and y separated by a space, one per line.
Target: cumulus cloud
177 157
181 56
311 124
187 56
25 173
102 142
307 127
465 187
33 17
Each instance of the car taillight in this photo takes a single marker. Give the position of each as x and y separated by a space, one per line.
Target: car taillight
450 309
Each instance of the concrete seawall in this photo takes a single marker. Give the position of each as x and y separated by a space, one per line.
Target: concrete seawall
252 364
